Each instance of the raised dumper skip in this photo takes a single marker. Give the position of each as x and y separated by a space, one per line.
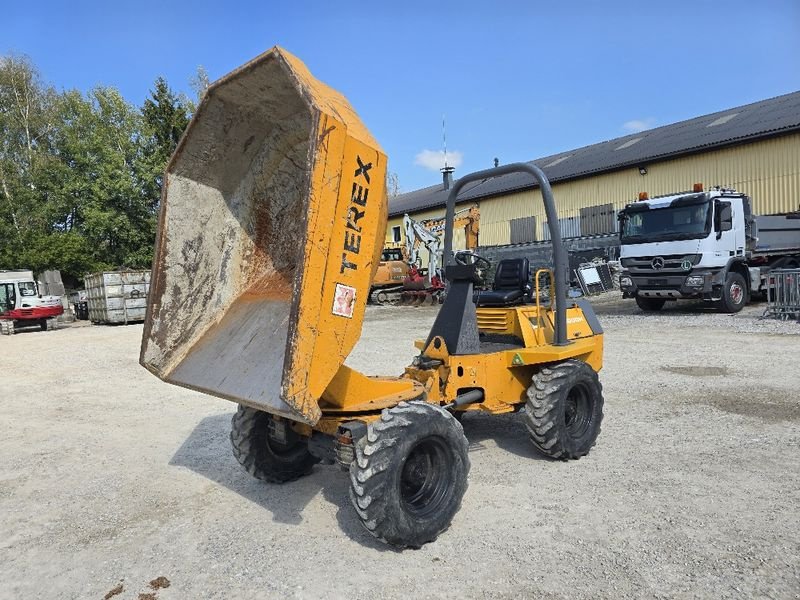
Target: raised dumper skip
273 218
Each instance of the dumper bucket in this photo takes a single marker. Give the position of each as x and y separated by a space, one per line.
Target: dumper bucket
272 218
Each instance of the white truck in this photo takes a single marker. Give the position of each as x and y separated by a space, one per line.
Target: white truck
704 245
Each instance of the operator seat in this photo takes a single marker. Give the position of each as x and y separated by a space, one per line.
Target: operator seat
511 284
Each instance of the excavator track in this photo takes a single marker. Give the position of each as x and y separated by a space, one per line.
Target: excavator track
422 297
6 327
387 296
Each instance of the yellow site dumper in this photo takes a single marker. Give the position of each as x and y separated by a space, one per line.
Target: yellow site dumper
272 223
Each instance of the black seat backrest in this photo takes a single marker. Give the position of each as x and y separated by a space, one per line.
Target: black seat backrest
512 274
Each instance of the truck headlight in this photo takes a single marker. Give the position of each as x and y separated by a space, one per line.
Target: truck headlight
625 282
695 280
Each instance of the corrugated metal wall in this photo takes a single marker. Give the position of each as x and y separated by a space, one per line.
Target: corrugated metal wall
523 230
769 171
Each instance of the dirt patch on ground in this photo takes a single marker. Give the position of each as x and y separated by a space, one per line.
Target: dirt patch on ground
115 591
159 583
765 409
697 371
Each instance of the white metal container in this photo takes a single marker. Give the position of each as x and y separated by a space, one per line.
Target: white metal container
117 296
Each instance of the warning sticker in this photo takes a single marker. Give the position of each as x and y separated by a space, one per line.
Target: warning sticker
344 300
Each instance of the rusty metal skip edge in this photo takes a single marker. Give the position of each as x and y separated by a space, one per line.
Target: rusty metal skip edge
272 220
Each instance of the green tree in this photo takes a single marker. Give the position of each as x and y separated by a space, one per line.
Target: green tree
199 83
95 189
165 117
27 114
392 184
80 174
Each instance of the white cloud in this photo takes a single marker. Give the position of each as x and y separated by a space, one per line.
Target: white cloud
637 125
434 159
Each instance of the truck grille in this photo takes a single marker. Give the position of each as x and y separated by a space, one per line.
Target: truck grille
671 263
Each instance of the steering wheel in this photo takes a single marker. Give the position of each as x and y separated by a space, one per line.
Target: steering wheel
468 258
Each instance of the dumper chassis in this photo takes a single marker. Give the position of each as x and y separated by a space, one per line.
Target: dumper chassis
240 310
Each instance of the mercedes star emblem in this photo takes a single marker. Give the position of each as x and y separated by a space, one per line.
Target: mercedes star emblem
657 263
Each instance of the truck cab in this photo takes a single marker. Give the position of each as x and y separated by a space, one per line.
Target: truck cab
21 302
17 290
688 245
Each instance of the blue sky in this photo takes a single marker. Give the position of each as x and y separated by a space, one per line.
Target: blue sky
516 80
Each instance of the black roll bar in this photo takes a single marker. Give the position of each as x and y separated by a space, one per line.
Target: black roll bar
560 262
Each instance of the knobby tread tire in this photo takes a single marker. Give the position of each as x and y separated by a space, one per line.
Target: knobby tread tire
726 303
650 304
375 473
250 444
545 409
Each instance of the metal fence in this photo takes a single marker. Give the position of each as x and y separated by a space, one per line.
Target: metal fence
783 294
594 278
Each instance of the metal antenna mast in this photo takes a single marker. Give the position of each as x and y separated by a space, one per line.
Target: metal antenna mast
444 140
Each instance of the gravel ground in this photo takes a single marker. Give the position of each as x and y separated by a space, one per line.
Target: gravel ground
110 479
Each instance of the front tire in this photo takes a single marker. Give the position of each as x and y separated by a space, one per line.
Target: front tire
734 293
263 457
565 409
650 304
410 474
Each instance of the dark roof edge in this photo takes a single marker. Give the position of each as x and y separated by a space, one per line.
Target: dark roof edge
397 213
668 156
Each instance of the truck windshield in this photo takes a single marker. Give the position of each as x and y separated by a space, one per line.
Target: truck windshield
27 288
685 220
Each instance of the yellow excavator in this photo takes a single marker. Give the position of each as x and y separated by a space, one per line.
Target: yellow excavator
387 284
272 221
400 279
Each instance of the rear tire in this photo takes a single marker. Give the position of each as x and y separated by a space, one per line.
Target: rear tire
565 409
410 474
734 294
650 304
265 458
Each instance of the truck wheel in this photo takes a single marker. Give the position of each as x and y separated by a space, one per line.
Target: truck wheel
734 294
266 458
564 409
650 304
410 474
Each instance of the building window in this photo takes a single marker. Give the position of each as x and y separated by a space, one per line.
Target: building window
523 230
396 233
598 220
570 227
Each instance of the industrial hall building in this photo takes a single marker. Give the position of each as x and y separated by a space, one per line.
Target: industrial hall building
753 148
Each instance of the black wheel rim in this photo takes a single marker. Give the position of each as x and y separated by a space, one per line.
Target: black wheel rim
577 411
425 479
281 449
